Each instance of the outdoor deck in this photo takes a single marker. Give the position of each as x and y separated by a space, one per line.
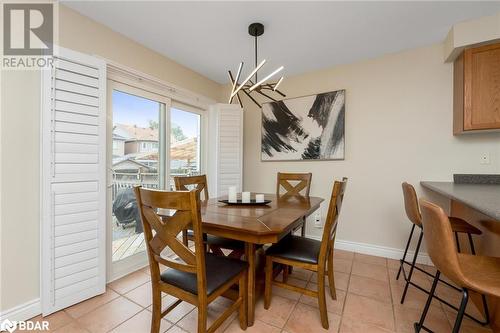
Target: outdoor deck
126 242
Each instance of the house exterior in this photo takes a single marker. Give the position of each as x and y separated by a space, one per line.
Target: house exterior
118 145
138 139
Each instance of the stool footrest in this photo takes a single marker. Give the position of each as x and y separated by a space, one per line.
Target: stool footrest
483 323
427 273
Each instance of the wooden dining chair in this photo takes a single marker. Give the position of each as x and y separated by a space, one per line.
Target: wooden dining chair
294 184
195 277
308 254
469 272
215 243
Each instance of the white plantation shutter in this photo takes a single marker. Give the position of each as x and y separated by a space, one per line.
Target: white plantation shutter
226 153
73 192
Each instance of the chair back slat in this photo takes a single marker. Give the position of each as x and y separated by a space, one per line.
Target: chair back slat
439 242
303 183
164 215
411 204
199 184
330 230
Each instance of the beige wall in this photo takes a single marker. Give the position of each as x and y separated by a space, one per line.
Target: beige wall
398 127
20 109
19 213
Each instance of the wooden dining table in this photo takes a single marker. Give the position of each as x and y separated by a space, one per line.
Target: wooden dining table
256 225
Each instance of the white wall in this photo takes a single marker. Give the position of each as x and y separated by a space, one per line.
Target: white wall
398 128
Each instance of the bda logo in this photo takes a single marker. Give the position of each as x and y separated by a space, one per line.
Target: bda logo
8 325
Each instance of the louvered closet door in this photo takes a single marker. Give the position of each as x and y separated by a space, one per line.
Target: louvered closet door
230 148
73 181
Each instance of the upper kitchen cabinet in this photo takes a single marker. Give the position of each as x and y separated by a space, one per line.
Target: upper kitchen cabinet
477 89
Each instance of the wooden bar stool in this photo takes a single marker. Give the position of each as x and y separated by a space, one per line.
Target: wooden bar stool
477 273
195 277
308 254
457 225
214 243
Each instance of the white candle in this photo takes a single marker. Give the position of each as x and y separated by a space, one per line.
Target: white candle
245 197
259 198
232 197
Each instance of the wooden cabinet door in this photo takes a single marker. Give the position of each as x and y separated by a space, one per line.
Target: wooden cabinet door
482 88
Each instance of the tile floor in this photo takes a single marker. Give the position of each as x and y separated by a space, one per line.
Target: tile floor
367 301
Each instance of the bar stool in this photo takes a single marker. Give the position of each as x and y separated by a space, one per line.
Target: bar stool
477 273
457 225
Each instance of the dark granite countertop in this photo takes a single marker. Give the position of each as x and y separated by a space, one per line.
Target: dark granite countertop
484 198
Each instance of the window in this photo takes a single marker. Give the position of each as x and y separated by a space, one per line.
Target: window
184 144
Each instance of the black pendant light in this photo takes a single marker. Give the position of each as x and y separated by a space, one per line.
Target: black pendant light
252 86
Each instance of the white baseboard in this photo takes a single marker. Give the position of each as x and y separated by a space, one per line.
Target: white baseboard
377 250
22 312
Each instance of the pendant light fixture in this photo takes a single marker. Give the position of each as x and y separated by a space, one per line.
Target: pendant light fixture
251 85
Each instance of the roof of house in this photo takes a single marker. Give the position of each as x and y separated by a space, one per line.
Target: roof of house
127 163
136 133
118 137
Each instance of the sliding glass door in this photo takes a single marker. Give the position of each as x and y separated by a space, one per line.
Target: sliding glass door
138 156
151 140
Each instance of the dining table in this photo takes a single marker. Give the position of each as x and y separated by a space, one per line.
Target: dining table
256 225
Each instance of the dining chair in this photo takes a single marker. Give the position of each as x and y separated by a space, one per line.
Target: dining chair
215 243
458 225
194 277
470 272
294 184
308 254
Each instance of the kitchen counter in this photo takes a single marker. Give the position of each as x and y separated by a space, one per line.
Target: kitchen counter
479 205
485 198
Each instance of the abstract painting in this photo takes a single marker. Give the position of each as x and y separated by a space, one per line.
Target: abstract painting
304 128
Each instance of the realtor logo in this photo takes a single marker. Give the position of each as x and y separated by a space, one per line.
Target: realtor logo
28 29
29 35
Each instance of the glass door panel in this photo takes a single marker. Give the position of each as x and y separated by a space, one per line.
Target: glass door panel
184 144
135 161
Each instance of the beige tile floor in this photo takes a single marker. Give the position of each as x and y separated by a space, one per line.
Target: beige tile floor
367 301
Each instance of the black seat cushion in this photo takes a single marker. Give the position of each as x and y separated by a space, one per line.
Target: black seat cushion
296 248
222 242
219 270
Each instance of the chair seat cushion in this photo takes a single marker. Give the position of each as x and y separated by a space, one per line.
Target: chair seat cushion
481 273
296 248
219 270
459 225
222 242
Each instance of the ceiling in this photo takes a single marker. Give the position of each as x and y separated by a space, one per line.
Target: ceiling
212 37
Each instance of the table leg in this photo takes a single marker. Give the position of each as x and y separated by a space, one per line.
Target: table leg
250 257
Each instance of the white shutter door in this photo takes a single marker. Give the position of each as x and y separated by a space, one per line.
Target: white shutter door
230 148
73 181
